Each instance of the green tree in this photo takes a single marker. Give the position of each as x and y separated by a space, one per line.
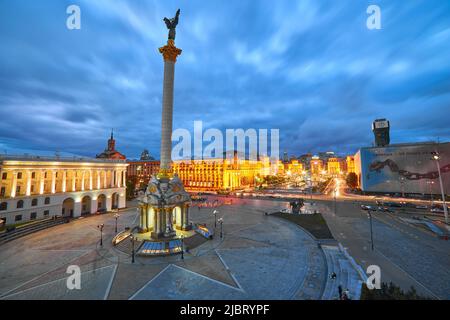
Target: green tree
389 292
131 187
352 180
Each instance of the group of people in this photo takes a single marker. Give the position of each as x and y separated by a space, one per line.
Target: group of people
343 294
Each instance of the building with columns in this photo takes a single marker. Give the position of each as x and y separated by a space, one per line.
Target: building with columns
33 187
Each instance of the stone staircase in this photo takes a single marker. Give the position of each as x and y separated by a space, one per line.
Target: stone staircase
346 275
30 228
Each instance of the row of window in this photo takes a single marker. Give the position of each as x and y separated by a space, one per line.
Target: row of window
33 216
20 203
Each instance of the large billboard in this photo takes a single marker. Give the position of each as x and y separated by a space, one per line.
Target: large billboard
407 168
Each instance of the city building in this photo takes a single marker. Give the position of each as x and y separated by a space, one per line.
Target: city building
336 166
139 172
380 128
316 166
295 167
221 174
33 187
404 168
350 164
111 152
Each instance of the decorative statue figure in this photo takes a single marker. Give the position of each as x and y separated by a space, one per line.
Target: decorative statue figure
172 24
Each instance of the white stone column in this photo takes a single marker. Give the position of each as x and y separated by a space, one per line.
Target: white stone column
74 180
167 115
82 180
14 184
98 172
94 205
90 180
64 177
122 201
28 183
111 181
104 179
53 181
77 209
41 181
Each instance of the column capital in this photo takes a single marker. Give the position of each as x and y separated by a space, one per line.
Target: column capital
170 52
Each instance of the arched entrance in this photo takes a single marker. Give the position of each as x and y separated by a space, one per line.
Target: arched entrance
101 203
86 205
67 207
115 200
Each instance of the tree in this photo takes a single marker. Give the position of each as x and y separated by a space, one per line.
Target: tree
131 187
352 180
389 292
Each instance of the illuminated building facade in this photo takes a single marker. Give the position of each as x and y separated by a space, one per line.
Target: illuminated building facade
316 166
33 187
220 174
295 167
140 171
336 166
350 160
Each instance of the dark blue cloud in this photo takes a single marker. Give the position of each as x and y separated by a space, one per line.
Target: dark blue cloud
310 68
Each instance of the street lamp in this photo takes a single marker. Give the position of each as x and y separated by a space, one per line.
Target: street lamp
436 157
371 230
215 212
116 216
430 183
100 227
132 248
182 247
221 227
335 192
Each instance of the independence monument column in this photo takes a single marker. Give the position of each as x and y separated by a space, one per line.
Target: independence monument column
164 207
170 54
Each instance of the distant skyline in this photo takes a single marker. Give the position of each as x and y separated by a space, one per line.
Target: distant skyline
309 68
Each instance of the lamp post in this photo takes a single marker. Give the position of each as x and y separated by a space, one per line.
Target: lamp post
100 227
132 248
215 212
436 157
402 183
335 192
221 227
430 183
182 247
116 216
371 230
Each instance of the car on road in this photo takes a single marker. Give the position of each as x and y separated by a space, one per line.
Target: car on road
365 207
421 207
385 209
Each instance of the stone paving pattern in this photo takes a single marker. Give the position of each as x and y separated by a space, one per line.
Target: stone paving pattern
260 257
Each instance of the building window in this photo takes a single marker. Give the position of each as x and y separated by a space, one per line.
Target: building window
45 175
33 216
2 192
32 189
46 213
33 175
19 175
4 175
19 204
3 206
18 217
34 202
17 190
47 200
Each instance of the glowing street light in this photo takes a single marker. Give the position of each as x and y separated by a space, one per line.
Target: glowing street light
116 216
221 227
436 157
215 212
100 227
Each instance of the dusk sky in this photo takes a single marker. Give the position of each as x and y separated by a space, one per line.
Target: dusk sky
309 68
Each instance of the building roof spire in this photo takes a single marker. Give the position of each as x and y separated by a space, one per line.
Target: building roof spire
112 133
